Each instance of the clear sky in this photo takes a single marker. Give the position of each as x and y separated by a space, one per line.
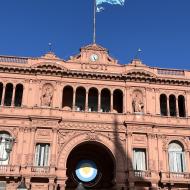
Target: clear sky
161 28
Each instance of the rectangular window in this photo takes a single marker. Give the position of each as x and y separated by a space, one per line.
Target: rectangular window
42 154
139 159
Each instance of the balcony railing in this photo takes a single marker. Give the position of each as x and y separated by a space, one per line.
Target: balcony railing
37 170
174 177
9 170
139 175
142 174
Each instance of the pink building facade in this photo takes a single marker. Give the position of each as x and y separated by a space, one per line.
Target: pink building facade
127 123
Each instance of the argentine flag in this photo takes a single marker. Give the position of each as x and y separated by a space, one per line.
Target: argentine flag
99 3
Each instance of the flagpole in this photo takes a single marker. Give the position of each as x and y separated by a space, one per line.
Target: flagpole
94 23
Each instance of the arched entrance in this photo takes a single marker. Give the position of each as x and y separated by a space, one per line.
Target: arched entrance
91 163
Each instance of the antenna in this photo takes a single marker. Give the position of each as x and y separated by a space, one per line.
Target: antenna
50 46
137 56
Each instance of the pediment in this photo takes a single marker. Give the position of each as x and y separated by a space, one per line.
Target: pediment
94 47
140 73
88 51
49 66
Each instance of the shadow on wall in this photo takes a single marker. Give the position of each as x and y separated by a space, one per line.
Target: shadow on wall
126 178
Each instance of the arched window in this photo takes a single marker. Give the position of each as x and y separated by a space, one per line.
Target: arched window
8 94
118 101
18 95
163 105
1 92
4 155
67 101
105 100
80 99
181 106
93 100
176 157
172 104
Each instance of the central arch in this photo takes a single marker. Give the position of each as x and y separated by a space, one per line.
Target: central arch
102 164
107 145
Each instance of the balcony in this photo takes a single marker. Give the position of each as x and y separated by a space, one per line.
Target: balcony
42 171
173 177
139 175
8 170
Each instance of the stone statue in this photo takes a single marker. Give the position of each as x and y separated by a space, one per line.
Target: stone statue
47 96
137 102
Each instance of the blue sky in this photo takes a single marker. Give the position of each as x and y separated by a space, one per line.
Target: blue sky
161 28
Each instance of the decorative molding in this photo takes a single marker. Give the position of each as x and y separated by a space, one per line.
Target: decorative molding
91 126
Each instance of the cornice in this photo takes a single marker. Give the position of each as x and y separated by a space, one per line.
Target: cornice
94 75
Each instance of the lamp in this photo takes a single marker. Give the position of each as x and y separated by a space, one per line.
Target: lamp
22 185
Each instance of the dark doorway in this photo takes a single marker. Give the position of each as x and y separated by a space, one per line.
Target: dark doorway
18 95
172 104
118 101
93 100
163 105
8 94
80 99
181 106
67 101
98 154
105 100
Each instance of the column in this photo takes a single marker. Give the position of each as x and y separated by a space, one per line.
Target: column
54 144
99 101
3 96
149 156
187 161
187 100
74 99
86 101
13 96
168 106
177 108
51 184
124 102
13 154
58 96
129 151
25 94
157 101
32 136
111 102
62 184
128 104
27 182
19 145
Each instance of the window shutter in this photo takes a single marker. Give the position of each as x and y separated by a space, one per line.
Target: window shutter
46 161
37 155
183 162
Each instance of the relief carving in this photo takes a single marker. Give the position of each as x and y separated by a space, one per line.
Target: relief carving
91 126
47 95
92 136
43 133
63 136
